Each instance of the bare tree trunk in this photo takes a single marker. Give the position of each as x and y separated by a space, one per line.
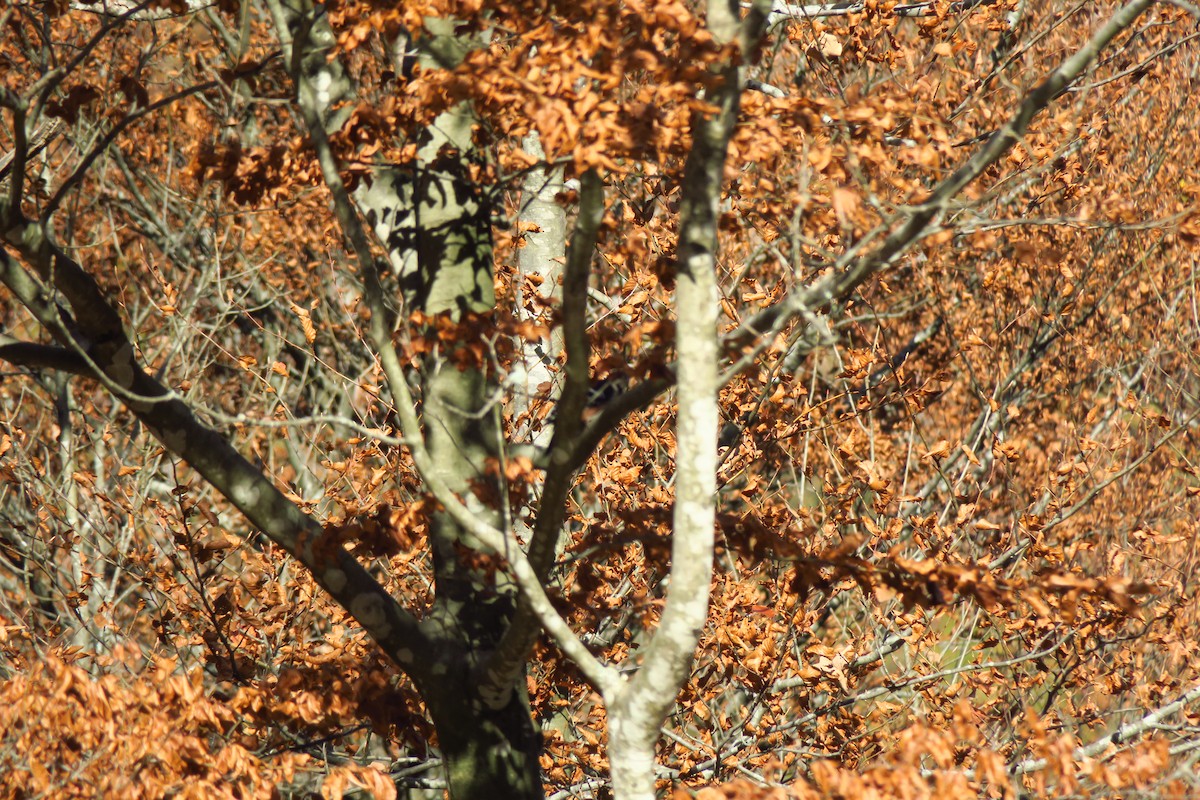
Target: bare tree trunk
540 264
637 713
435 225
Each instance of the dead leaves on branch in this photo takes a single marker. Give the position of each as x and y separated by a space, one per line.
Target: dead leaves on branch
615 86
153 731
936 581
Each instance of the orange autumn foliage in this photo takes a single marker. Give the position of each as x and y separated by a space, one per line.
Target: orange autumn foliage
957 509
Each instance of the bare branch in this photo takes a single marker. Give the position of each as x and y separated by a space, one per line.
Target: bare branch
41 356
380 328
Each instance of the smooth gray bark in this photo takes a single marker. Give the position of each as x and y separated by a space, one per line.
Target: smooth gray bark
639 707
435 227
543 224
